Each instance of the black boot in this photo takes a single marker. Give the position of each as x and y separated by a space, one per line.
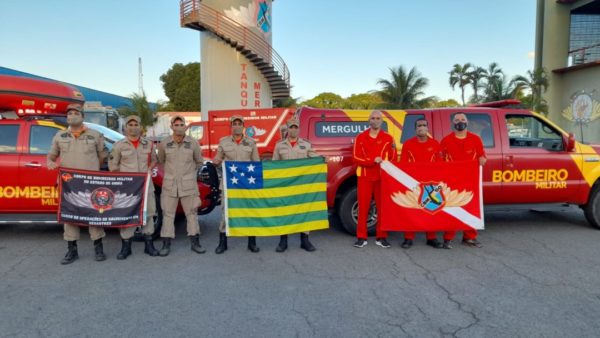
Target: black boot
282 244
166 248
125 249
149 246
305 243
252 244
222 243
72 254
195 242
99 251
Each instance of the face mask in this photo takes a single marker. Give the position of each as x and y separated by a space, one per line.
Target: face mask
237 130
74 120
179 131
133 131
460 126
293 132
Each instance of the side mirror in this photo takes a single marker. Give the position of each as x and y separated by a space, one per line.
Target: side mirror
570 142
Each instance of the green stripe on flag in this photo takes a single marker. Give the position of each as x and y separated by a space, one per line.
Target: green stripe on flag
268 165
276 201
296 180
265 222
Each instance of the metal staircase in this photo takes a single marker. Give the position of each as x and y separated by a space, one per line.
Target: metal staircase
198 16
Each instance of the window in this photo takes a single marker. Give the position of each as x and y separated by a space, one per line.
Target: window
8 138
481 125
529 132
40 139
408 129
196 132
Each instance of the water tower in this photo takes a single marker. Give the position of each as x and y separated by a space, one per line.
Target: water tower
239 68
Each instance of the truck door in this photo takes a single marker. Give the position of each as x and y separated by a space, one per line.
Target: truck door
537 168
486 125
9 164
41 183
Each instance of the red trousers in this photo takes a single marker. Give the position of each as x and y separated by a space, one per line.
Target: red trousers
467 235
411 235
366 189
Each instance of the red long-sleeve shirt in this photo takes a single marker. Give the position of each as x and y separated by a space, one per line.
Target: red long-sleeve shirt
367 148
415 151
462 149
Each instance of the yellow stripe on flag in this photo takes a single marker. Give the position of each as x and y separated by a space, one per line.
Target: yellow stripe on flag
297 171
277 211
277 192
282 230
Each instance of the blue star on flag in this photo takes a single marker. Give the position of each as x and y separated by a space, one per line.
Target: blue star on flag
244 175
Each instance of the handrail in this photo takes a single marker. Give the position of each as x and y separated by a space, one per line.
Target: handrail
195 12
580 54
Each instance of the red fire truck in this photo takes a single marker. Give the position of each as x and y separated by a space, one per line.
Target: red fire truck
530 159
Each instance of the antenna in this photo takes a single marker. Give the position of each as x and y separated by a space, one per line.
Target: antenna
140 78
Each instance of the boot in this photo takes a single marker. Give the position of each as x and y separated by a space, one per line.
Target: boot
222 244
282 244
72 254
149 246
195 242
125 249
305 243
252 244
98 249
166 248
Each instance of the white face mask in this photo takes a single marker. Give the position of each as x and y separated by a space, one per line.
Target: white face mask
74 119
237 130
133 130
293 132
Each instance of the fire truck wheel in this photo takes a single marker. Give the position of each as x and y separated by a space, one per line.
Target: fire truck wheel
348 213
592 208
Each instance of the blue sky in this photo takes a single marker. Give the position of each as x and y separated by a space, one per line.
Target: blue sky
337 46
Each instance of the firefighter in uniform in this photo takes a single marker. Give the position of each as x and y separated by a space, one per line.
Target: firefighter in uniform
292 148
371 147
423 149
462 145
180 155
135 154
79 148
235 147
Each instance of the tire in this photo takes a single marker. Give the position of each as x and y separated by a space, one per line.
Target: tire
592 208
348 213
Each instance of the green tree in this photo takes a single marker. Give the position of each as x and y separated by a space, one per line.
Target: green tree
500 88
289 102
536 82
477 76
461 76
325 100
182 86
141 108
445 103
363 101
404 90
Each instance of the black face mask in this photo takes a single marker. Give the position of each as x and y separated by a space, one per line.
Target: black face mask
460 126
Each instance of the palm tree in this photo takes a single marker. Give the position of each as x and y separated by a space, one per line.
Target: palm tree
500 89
460 75
404 90
477 76
141 108
536 82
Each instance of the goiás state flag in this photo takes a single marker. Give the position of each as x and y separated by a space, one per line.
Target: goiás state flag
102 199
440 196
275 197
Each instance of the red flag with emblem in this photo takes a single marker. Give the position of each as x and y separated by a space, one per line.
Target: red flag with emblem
441 196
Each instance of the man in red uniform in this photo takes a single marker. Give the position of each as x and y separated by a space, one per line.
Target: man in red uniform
371 147
463 145
421 148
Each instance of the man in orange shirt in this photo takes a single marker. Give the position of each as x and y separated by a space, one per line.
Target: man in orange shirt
463 145
371 147
421 148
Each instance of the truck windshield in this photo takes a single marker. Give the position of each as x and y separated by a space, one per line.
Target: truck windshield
95 117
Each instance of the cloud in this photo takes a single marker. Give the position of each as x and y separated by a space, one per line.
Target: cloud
530 55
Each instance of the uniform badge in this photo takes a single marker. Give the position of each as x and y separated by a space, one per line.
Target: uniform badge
90 137
302 147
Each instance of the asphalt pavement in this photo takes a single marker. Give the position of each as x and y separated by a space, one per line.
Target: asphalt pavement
537 275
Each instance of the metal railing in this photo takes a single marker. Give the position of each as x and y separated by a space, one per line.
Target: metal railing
195 14
584 55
